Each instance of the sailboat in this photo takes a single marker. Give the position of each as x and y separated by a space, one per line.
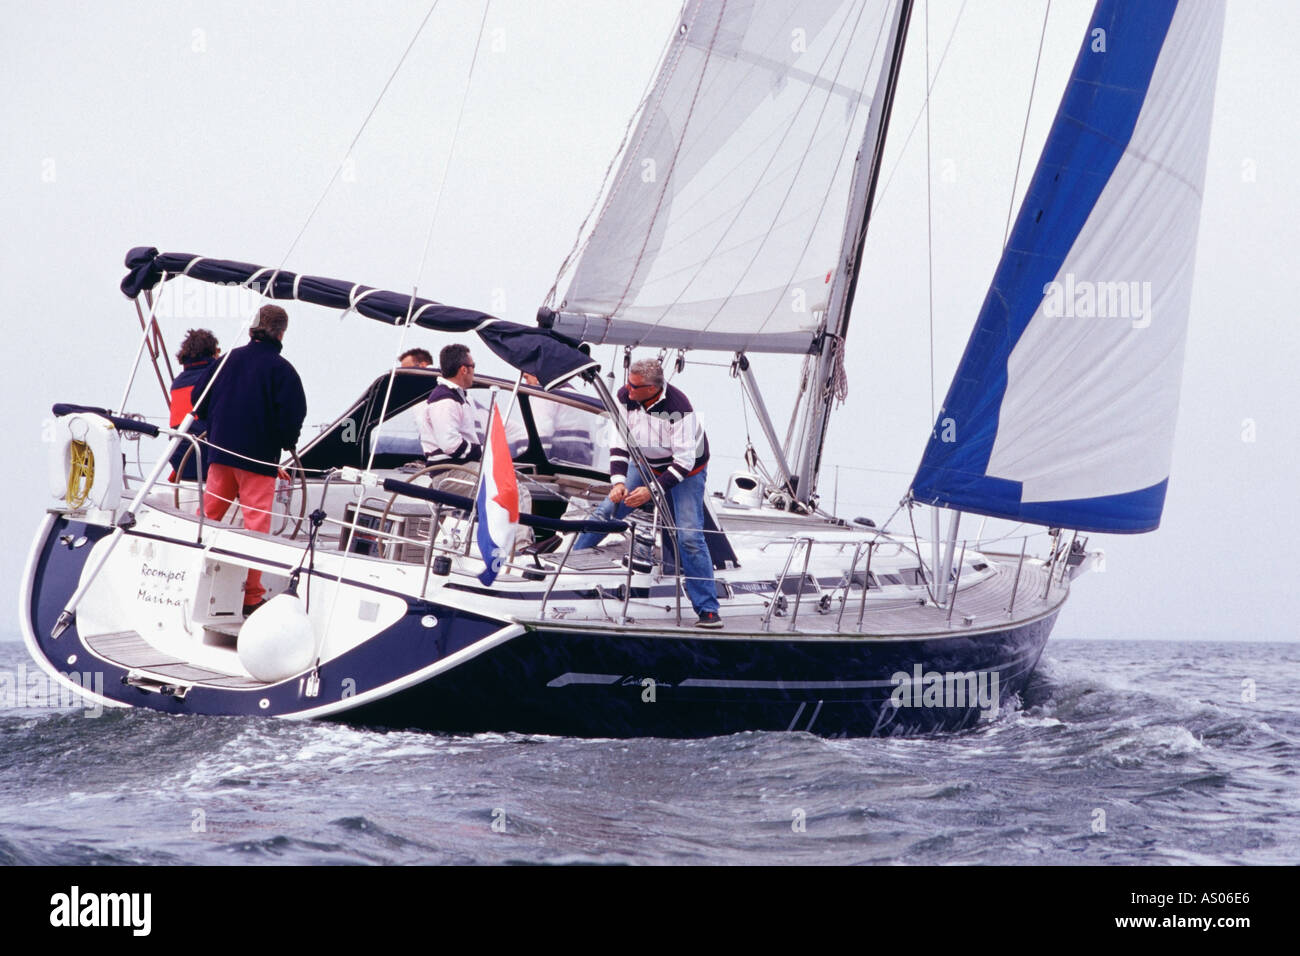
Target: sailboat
733 222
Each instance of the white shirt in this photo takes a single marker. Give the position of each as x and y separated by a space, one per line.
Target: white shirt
447 430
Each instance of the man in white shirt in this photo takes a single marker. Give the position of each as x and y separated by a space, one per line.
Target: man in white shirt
565 431
446 421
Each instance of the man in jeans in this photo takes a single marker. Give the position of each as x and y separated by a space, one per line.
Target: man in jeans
255 409
662 422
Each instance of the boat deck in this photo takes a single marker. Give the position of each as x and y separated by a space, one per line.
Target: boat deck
591 588
129 649
978 606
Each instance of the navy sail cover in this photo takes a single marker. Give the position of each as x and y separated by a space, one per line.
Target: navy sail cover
552 357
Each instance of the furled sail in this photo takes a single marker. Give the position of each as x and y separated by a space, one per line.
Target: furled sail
723 226
1062 409
543 353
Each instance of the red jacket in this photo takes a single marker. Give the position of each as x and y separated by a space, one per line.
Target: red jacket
182 400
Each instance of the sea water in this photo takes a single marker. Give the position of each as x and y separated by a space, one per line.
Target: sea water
1121 752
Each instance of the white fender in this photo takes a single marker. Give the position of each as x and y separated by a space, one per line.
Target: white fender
105 444
277 640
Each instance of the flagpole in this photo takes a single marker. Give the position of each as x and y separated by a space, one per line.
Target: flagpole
514 395
487 435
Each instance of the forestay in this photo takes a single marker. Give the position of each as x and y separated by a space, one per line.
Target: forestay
723 225
1063 407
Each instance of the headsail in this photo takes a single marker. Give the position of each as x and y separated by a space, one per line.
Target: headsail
1063 407
724 223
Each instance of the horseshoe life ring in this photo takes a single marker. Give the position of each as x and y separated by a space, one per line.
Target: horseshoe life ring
85 463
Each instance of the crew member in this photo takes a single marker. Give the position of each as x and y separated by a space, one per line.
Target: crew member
255 408
662 422
198 351
563 429
446 421
415 358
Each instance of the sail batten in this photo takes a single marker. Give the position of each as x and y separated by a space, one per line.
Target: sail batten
1063 406
722 229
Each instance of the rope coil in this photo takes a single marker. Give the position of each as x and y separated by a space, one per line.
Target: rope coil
81 473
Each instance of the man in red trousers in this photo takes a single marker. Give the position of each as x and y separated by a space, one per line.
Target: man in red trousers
255 410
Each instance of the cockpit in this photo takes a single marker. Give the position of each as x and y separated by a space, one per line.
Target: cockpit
561 430
559 440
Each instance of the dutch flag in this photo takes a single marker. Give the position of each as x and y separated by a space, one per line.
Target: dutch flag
498 501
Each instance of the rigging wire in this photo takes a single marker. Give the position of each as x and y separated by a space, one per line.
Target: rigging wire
929 266
455 136
1015 182
147 326
428 239
929 211
805 375
328 186
885 527
351 146
908 139
916 543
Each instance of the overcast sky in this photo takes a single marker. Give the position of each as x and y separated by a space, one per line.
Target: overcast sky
213 128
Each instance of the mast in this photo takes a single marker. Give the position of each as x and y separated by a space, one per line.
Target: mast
840 307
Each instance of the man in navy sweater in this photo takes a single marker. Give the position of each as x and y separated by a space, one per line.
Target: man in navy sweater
255 409
661 420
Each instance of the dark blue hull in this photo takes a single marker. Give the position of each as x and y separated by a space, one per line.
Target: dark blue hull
602 685
593 683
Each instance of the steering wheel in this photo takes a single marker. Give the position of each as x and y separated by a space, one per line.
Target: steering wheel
427 470
296 470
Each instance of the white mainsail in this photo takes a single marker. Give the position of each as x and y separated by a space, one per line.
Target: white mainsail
724 223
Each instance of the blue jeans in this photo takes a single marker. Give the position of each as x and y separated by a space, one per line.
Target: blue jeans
687 498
